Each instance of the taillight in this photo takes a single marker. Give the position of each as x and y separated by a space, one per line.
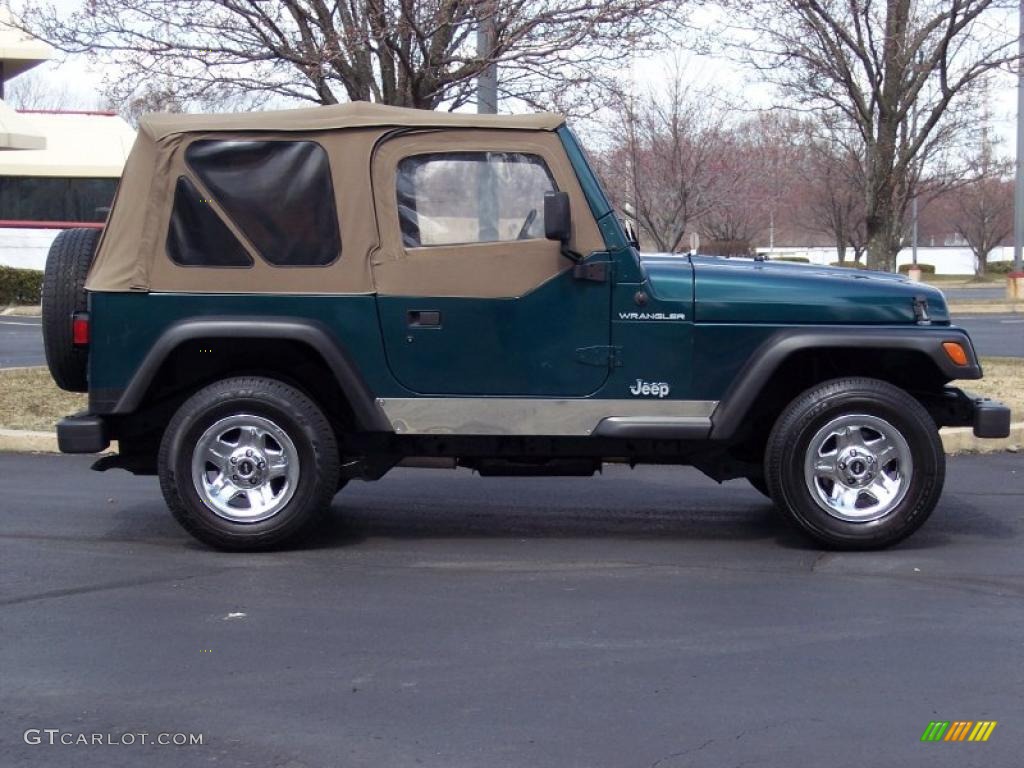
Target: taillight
80 329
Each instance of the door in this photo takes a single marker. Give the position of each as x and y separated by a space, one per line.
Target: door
473 300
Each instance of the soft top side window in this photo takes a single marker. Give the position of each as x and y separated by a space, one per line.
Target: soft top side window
197 237
454 198
279 193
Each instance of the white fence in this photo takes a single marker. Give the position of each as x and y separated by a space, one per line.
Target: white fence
947 260
25 248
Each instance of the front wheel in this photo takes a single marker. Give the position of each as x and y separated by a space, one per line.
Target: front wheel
856 463
248 464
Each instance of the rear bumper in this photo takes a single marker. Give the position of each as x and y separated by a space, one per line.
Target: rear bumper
82 433
987 417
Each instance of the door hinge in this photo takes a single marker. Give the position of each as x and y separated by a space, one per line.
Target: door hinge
602 356
592 271
921 316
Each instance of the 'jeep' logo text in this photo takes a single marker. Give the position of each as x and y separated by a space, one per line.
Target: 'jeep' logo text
649 388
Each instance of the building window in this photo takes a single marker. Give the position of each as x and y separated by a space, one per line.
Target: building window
197 237
454 198
52 198
279 193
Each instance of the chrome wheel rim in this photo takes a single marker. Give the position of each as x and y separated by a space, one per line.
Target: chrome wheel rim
245 468
858 468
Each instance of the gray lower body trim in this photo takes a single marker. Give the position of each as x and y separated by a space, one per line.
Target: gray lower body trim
655 428
550 418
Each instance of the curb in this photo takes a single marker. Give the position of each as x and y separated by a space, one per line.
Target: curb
30 441
27 441
962 440
18 369
21 312
954 440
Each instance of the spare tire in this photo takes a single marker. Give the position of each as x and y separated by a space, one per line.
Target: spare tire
67 265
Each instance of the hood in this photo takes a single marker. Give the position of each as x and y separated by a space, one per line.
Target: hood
749 291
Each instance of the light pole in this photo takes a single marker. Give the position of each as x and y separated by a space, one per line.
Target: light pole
487 103
487 80
1018 197
913 241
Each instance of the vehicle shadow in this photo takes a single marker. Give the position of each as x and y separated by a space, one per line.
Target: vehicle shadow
726 513
542 510
951 522
538 510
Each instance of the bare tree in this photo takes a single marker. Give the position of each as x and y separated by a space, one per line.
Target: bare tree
753 178
659 166
833 180
413 53
164 96
37 90
902 73
984 206
154 97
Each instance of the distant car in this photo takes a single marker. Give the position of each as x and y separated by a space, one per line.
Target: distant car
281 302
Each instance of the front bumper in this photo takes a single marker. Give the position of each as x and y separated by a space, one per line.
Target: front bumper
82 433
991 418
988 417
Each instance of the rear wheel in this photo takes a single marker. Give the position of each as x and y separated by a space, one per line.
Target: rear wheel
248 464
856 463
67 265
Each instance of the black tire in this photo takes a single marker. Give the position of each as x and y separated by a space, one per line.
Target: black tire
67 265
285 407
800 423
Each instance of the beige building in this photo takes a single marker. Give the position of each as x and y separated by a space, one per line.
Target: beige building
58 168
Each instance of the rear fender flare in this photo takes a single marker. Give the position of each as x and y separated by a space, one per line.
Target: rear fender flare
368 413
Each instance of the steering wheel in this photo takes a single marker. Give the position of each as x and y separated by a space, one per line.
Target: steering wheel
524 231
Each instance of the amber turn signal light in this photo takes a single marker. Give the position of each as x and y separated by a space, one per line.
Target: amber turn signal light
955 352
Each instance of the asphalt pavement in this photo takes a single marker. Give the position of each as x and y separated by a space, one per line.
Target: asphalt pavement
995 335
646 618
21 338
21 342
974 294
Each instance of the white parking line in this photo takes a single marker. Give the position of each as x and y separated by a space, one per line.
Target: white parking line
1011 322
16 322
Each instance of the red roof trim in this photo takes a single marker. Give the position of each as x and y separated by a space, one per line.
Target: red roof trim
95 112
20 224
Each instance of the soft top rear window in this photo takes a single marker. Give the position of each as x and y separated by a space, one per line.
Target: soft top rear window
279 193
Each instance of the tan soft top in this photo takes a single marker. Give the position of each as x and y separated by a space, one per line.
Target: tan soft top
359 114
131 254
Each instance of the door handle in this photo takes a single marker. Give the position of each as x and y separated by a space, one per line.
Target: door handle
423 318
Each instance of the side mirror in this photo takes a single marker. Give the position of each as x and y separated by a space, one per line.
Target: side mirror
557 217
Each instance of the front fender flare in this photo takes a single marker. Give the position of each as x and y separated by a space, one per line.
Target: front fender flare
766 359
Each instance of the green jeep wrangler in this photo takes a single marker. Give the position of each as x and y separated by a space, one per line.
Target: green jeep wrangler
282 302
